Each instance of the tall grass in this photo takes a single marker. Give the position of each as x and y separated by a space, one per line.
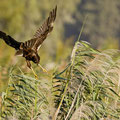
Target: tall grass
87 89
93 90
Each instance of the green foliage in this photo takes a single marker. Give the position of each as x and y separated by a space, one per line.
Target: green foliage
87 89
24 99
93 85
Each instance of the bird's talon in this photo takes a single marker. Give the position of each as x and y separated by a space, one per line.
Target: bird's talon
44 70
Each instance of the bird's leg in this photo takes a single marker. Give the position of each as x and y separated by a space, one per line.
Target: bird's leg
44 70
34 73
29 65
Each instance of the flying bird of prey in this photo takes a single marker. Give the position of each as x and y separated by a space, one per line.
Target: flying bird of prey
29 49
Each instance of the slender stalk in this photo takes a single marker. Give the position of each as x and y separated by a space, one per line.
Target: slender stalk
73 101
72 60
36 77
58 109
82 28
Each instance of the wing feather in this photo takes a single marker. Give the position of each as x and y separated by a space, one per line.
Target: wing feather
43 31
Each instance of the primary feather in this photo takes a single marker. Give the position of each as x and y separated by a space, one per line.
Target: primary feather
42 32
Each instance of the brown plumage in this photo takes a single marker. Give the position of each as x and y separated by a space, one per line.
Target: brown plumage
29 49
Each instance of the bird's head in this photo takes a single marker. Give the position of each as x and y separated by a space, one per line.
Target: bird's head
35 58
31 55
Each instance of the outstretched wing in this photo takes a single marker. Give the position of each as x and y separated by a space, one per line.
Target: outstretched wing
47 26
10 41
42 32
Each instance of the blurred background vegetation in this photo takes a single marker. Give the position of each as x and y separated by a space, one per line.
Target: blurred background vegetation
21 19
